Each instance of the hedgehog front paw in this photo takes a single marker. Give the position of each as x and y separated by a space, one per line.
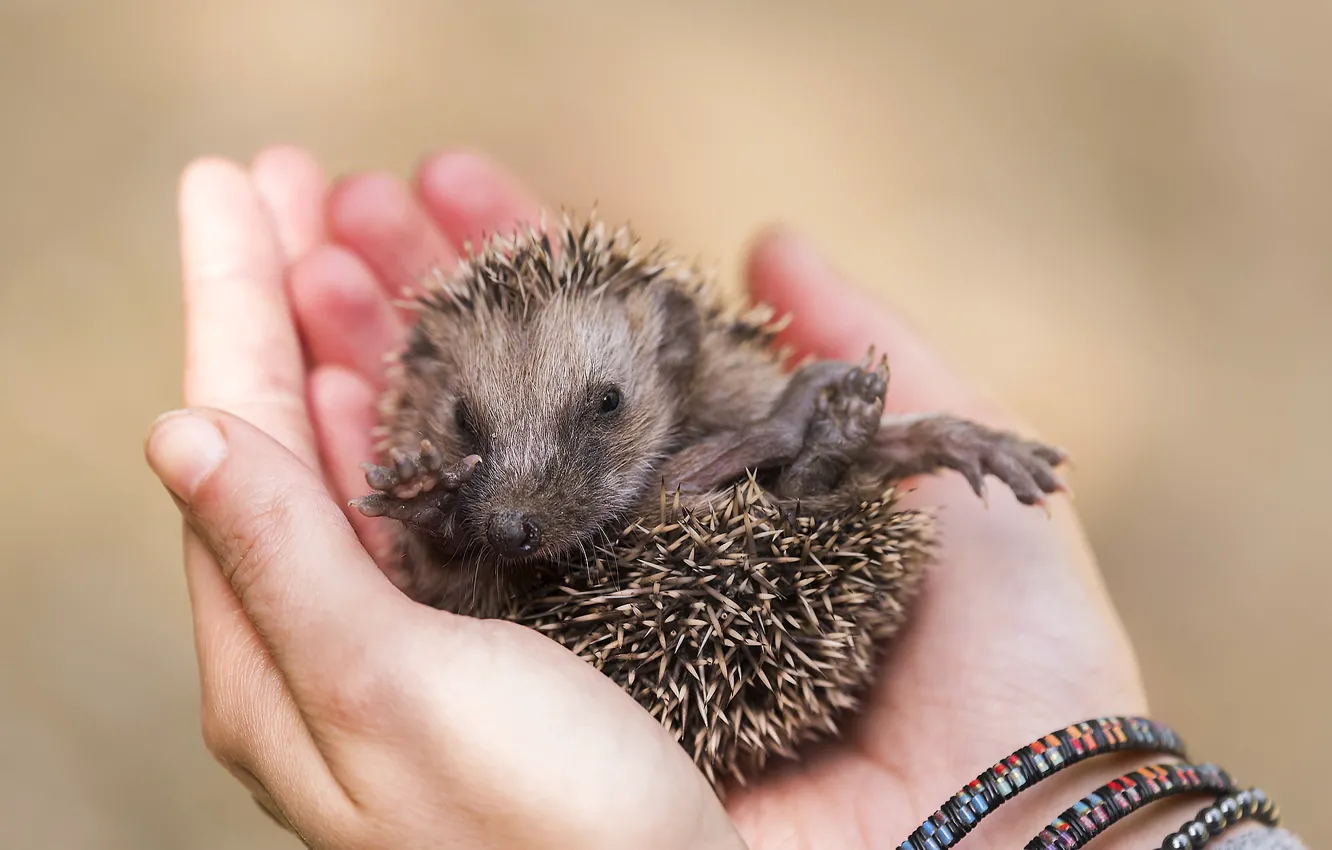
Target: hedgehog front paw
408 475
416 488
846 417
847 414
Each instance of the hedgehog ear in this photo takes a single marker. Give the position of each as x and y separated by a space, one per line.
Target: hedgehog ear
680 331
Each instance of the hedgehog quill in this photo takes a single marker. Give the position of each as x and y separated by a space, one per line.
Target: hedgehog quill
587 436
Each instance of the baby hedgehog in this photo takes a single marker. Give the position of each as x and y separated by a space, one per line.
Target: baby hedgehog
588 437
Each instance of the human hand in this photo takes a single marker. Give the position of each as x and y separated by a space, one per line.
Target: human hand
356 717
1009 673
1014 634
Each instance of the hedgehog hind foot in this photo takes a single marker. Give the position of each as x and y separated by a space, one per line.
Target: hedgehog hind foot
916 444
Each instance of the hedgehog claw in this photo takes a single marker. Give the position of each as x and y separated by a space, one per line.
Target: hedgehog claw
404 466
378 477
867 361
373 505
431 459
452 479
971 470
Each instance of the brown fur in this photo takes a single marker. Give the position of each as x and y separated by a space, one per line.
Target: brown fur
514 351
584 437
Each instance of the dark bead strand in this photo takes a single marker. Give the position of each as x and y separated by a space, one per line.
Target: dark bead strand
1044 757
1098 811
1215 819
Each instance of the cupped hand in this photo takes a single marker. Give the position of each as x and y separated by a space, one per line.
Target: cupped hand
356 717
361 714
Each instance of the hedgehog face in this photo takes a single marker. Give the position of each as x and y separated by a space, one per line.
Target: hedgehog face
572 410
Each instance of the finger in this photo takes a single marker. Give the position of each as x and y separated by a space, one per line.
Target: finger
344 410
291 183
250 723
376 217
471 198
243 354
302 578
345 317
830 318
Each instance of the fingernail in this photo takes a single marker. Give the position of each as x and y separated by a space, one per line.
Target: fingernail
183 448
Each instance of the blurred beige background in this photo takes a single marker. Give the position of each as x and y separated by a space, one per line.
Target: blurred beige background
1116 214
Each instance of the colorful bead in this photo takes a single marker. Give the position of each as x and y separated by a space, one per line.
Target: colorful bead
1178 842
1043 757
1197 833
1212 820
1125 795
1231 809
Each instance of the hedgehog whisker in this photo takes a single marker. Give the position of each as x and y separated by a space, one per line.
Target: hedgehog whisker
473 550
587 566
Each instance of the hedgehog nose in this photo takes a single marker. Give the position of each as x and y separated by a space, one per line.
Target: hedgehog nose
514 532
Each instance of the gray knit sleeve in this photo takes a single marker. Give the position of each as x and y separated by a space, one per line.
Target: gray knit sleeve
1260 839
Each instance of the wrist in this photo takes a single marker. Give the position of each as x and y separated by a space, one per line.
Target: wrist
1144 829
1116 779
1141 830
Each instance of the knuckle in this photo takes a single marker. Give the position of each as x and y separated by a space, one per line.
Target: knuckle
222 739
253 542
242 696
232 680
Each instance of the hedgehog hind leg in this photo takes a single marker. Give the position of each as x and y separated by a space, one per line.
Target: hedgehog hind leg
770 443
847 433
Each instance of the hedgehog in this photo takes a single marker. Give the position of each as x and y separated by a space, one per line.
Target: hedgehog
587 435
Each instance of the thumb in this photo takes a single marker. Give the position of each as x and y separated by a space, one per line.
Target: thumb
830 318
314 595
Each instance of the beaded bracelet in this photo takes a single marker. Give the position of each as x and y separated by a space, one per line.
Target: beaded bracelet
1227 811
1104 807
1043 757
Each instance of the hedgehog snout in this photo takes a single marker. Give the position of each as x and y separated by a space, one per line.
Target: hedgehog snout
514 533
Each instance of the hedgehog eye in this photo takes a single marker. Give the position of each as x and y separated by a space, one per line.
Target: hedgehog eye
610 401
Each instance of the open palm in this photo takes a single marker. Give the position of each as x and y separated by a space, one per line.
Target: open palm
1013 636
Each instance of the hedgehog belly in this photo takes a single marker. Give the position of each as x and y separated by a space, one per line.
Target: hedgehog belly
743 631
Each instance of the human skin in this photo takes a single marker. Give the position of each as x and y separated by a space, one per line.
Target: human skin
361 719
